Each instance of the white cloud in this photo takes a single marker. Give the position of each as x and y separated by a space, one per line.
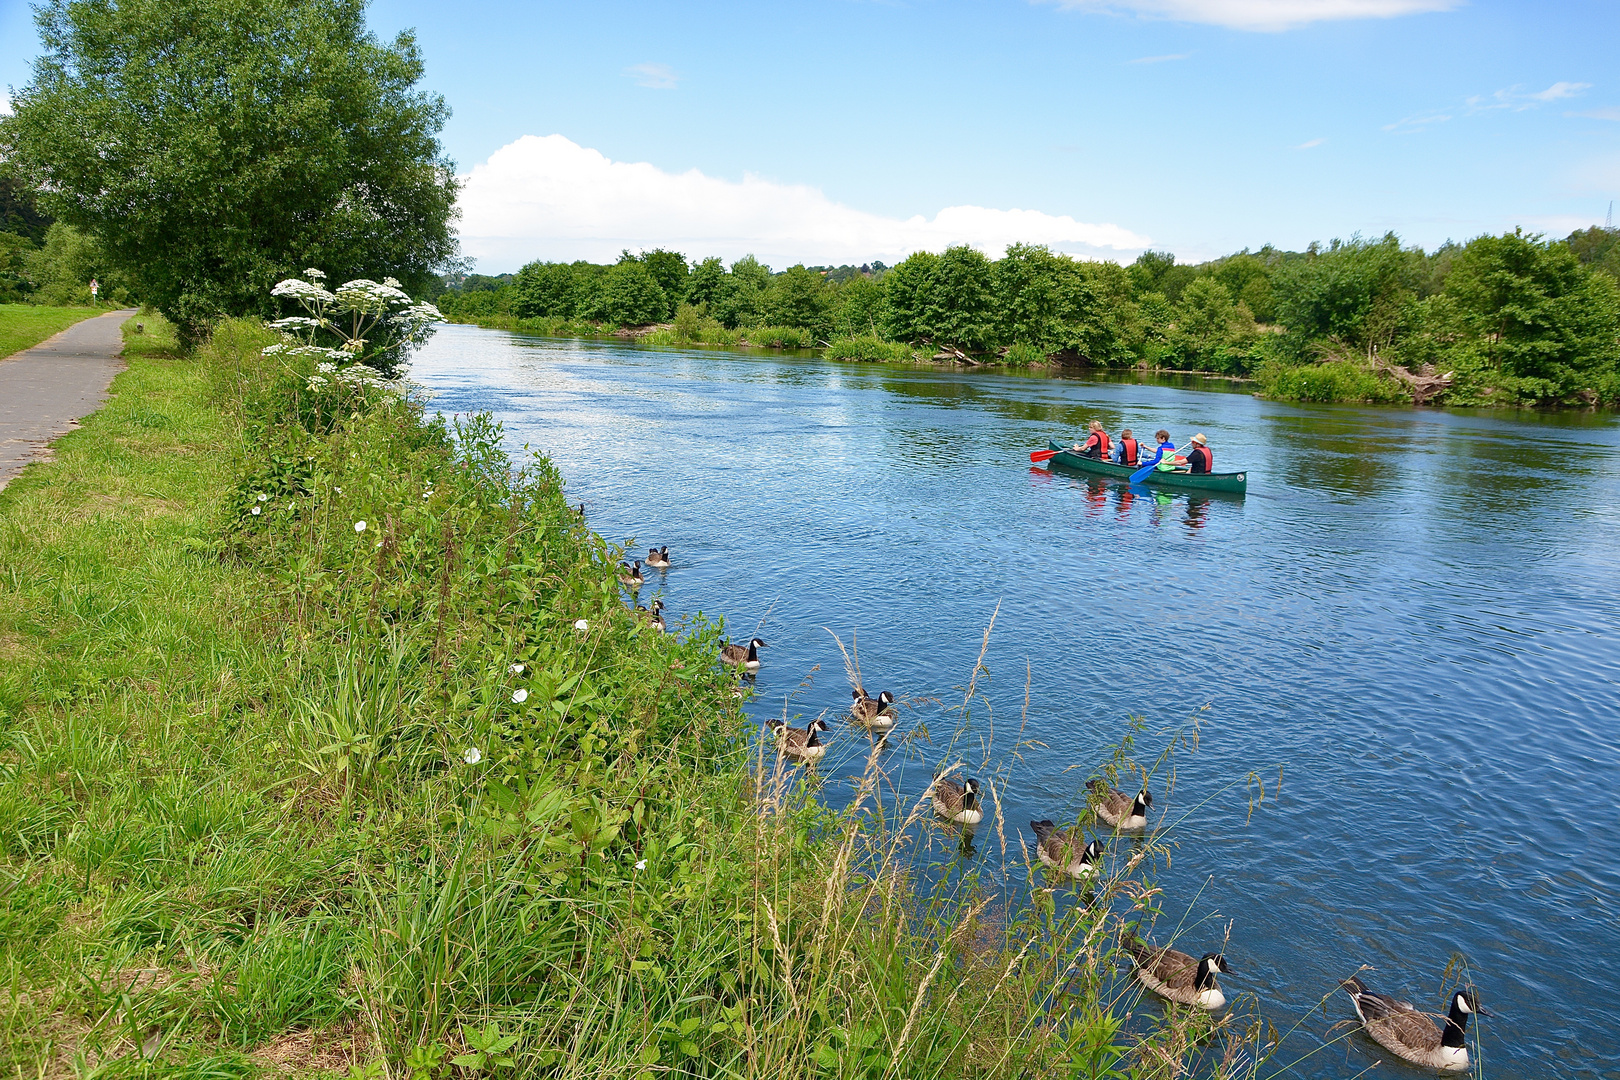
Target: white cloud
550 198
1310 144
1514 98
1562 90
1160 59
1417 123
653 76
1609 113
1261 15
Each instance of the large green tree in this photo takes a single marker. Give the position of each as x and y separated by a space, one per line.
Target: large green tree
212 147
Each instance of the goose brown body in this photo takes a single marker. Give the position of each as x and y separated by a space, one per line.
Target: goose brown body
1067 853
1118 809
631 575
877 714
1413 1035
958 802
801 744
658 558
743 656
1174 975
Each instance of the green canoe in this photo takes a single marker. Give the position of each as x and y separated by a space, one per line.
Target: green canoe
1232 483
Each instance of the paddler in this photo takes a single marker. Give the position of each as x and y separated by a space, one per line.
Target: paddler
1126 449
1199 459
1165 447
1096 444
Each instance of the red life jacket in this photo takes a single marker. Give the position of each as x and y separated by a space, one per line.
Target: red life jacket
1129 451
1101 438
1209 458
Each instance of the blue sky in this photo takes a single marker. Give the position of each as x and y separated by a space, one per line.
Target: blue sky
823 129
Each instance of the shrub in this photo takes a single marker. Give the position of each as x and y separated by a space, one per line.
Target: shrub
867 347
1335 380
1023 354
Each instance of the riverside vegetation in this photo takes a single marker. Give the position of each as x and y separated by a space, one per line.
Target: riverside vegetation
329 745
1500 320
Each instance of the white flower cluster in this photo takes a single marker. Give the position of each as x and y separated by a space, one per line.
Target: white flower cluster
361 315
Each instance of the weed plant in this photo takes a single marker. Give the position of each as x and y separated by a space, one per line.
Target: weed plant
331 745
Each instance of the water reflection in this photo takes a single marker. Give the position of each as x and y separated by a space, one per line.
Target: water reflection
1413 613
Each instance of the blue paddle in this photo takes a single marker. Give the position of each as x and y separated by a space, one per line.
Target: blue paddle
1145 471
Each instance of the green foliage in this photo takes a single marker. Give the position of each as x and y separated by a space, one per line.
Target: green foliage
1158 272
1359 292
61 270
298 141
631 295
1023 354
1334 380
859 306
868 347
668 269
798 297
1537 314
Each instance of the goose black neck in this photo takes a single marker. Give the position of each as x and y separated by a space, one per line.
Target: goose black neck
753 651
1456 1026
1206 976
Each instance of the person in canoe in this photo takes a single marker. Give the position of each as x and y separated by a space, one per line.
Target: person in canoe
1165 447
1199 459
1126 449
1096 443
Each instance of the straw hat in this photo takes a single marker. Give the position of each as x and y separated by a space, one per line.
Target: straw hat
1200 440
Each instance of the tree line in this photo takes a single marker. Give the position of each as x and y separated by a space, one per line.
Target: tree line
1514 317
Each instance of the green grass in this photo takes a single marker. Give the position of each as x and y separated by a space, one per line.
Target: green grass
23 326
244 825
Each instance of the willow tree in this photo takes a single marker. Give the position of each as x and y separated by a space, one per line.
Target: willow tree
214 147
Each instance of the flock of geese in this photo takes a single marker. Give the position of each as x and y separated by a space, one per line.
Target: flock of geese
1398 1026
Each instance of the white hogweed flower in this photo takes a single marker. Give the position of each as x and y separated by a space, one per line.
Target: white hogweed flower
314 273
255 511
581 625
359 526
473 756
516 669
641 864
263 497
519 696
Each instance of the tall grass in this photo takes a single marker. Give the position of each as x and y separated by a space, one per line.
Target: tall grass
279 790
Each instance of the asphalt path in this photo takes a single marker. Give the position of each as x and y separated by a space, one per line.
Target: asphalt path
44 390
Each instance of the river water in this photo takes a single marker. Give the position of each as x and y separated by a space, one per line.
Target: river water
1413 615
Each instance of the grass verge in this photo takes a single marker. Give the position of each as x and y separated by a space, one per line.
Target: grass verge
328 745
22 326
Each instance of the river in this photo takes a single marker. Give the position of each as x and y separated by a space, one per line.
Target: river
1412 616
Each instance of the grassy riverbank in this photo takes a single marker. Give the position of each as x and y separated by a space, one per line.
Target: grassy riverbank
22 326
282 792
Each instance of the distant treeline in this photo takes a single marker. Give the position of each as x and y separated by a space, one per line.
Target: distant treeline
1500 319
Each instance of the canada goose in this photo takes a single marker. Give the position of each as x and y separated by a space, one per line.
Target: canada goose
1175 976
654 615
631 575
801 743
737 656
1410 1034
1064 853
1118 809
658 558
876 714
958 803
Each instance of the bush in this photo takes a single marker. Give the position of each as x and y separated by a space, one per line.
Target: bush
868 348
1022 354
1335 380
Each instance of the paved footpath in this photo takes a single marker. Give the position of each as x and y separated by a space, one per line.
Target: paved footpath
44 390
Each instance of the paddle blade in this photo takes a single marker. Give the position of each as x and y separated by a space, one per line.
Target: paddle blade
1143 473
1043 455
